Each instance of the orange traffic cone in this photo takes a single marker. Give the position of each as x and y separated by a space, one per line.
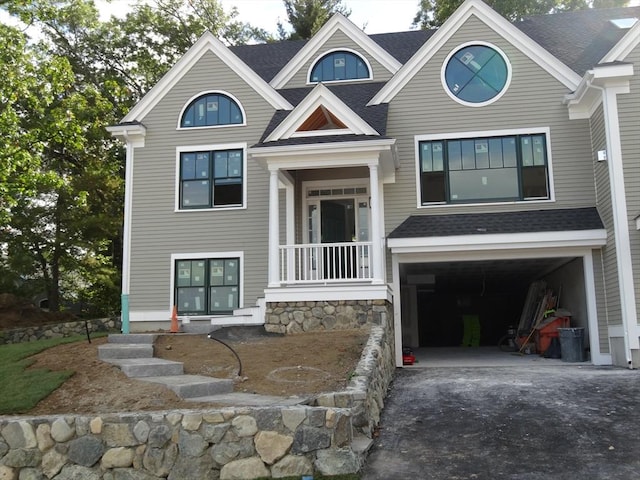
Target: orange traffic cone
174 320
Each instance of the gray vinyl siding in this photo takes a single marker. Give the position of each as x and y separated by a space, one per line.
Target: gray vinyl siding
534 99
157 230
609 293
338 40
629 112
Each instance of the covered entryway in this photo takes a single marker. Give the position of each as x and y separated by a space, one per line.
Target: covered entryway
486 275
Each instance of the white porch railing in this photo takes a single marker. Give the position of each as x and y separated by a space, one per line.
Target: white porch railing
326 262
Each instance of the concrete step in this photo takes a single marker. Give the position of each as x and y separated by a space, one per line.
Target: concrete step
361 444
115 350
147 367
147 338
196 326
190 386
251 400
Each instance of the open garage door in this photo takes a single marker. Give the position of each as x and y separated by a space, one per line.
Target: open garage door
451 304
448 268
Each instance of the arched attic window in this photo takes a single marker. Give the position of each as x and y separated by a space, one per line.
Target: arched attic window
212 109
339 65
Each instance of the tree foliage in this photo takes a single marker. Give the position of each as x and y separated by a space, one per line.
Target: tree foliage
433 13
306 17
61 174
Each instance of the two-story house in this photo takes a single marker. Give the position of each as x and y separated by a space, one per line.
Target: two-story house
319 184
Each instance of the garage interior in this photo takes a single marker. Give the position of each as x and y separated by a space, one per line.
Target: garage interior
435 296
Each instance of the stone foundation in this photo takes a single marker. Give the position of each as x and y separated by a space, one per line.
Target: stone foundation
58 330
298 317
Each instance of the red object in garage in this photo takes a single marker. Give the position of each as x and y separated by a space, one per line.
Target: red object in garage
547 330
408 358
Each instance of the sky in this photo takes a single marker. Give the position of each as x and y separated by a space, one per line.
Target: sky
375 15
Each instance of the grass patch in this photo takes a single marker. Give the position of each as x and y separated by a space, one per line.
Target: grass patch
22 389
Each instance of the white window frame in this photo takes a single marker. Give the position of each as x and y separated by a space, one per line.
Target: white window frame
207 256
333 50
212 92
490 101
211 148
546 131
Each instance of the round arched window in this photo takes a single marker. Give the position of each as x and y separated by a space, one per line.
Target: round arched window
476 74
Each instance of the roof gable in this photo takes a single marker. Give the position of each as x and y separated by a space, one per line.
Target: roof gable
305 113
206 43
624 47
337 23
496 22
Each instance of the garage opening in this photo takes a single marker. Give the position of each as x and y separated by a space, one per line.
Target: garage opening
439 298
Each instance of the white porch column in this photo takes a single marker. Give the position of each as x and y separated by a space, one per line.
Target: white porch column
620 220
274 228
376 227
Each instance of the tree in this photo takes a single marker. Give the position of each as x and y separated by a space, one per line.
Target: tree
433 13
308 16
61 174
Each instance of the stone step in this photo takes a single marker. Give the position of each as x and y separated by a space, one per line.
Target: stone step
190 386
115 350
119 338
251 400
196 326
147 367
361 444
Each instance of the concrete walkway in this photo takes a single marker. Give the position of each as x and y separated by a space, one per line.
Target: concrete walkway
530 422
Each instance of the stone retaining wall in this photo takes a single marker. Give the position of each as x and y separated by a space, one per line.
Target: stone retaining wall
224 444
57 330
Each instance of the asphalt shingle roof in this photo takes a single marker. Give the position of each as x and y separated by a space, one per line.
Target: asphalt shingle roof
550 220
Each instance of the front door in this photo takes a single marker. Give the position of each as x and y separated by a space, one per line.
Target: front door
334 217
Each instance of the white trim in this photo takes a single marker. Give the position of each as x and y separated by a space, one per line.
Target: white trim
337 23
320 96
502 241
328 293
210 148
499 95
334 50
206 43
206 256
150 315
546 131
213 92
597 357
496 22
129 133
625 46
397 309
358 146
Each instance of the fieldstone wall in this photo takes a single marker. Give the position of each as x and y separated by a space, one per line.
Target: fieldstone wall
368 386
57 330
221 444
226 444
297 317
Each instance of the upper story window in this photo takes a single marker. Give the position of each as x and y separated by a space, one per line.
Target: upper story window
339 65
506 168
212 109
211 179
476 74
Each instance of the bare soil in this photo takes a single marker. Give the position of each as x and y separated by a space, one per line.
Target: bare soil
295 365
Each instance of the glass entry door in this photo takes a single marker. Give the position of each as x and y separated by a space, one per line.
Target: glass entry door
335 217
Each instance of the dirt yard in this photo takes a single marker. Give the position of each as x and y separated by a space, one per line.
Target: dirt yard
297 365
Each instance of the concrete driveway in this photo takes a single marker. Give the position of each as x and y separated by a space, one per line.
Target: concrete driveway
527 422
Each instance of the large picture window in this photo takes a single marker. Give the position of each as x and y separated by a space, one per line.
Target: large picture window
210 179
507 168
207 286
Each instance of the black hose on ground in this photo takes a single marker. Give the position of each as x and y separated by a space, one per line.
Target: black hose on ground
232 351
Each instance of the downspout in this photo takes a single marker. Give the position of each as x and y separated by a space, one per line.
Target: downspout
620 221
126 235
